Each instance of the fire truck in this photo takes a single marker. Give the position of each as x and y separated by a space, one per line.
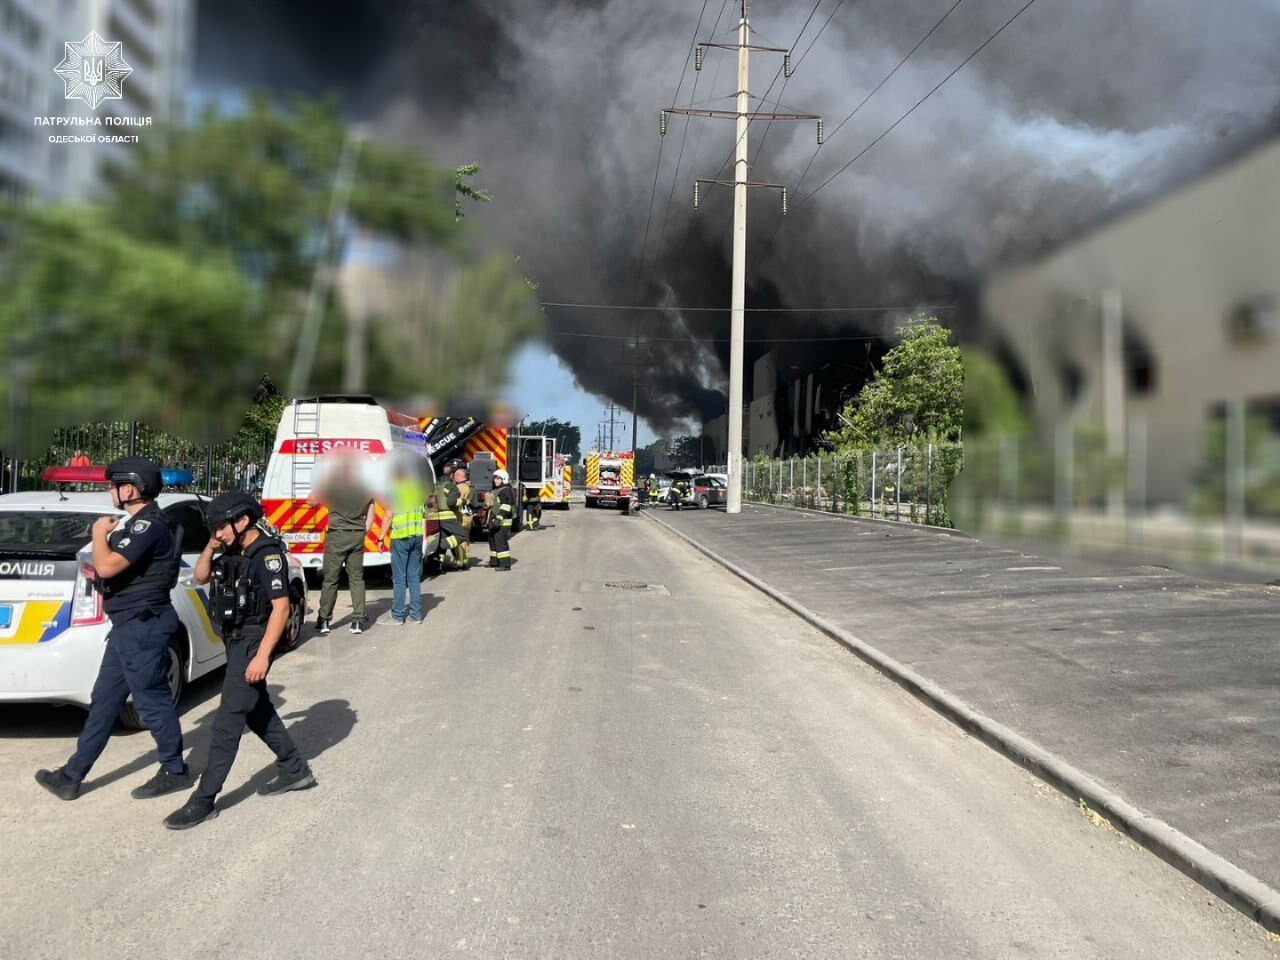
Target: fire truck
542 471
610 479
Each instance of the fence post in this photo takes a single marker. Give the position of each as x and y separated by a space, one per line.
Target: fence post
1063 495
133 438
873 483
817 484
1233 517
897 489
928 486
208 470
804 480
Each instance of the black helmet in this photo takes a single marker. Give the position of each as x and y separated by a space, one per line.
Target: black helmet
453 465
231 506
139 471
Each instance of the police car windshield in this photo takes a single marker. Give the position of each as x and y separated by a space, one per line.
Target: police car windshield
46 533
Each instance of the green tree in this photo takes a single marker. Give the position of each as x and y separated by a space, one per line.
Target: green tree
686 451
568 437
919 389
189 277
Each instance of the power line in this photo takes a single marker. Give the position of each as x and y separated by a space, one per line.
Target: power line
889 76
675 179
657 167
782 69
796 66
861 153
677 309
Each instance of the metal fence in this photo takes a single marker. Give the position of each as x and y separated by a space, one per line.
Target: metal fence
1072 490
234 464
907 483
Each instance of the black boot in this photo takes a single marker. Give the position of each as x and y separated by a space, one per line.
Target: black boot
193 813
164 782
284 782
58 783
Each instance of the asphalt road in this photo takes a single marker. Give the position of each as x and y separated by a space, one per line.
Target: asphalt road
553 767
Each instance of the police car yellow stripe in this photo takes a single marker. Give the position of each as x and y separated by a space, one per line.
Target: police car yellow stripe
199 600
40 621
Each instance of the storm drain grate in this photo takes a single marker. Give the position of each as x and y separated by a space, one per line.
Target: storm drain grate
626 584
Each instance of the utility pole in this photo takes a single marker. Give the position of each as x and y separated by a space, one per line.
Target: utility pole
636 387
737 322
326 267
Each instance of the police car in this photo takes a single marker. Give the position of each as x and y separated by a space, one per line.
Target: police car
52 627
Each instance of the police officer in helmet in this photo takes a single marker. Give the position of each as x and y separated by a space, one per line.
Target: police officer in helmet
251 609
136 561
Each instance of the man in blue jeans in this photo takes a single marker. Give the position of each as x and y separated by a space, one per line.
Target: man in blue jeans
408 497
137 561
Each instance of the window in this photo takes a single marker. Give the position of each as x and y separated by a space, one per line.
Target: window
190 526
51 532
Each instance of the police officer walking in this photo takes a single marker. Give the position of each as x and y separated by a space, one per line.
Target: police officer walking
502 509
136 561
251 608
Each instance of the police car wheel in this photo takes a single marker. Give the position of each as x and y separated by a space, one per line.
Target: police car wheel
177 681
702 502
297 617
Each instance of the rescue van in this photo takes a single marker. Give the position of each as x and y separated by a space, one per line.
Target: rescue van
312 428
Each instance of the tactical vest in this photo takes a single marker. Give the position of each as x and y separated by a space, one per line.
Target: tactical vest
239 605
155 577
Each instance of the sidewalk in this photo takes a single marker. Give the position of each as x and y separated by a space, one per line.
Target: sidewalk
1160 686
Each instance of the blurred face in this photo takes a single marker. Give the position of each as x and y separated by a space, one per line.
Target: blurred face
459 475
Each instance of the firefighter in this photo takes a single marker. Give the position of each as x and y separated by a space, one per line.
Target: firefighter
444 512
462 481
502 509
533 508
250 601
137 560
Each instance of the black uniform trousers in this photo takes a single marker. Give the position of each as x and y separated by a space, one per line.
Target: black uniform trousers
244 704
136 661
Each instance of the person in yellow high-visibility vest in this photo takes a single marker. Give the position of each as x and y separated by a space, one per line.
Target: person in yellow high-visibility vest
408 496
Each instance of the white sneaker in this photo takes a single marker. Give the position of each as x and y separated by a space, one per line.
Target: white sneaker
357 626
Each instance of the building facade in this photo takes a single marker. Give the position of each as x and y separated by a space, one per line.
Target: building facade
158 42
1155 325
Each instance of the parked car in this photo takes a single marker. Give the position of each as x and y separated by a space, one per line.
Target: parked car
709 490
52 626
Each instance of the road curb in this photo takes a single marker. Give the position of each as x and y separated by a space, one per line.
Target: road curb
1240 889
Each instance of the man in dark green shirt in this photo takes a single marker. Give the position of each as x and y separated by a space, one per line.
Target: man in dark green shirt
350 507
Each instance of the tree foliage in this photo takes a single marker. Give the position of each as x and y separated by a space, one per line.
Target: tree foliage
919 389
164 300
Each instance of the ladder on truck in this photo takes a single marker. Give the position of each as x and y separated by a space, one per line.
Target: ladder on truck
306 426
